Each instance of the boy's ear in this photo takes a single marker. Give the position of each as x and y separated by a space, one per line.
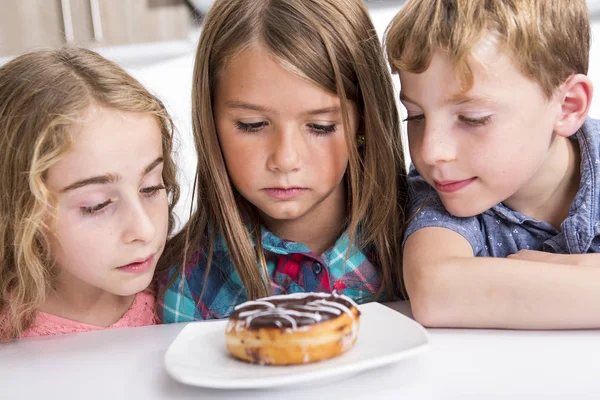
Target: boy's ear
575 97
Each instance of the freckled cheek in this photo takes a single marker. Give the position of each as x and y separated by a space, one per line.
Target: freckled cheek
76 248
333 160
502 172
89 232
234 148
244 164
414 138
414 149
414 152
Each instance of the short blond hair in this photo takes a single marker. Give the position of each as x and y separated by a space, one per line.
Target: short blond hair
548 40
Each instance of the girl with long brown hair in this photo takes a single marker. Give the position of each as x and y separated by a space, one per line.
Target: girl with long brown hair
300 181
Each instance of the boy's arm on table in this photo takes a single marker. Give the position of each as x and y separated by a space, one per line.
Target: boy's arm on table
590 259
450 287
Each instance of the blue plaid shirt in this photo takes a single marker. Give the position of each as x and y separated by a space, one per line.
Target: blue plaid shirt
292 268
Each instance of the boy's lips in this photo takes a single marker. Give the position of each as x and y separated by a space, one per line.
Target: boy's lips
452 186
138 266
284 193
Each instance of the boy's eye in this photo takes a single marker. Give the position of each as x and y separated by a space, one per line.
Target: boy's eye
415 118
96 209
252 127
322 129
152 190
475 121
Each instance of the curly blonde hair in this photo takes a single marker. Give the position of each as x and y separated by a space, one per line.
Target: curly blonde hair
42 94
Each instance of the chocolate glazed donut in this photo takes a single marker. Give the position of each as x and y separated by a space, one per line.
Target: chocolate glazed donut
293 329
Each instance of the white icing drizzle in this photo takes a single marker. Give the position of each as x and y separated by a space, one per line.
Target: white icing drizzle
280 313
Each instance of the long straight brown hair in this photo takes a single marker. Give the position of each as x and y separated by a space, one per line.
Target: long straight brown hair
333 44
42 94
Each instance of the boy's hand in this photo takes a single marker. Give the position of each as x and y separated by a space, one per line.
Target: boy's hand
592 260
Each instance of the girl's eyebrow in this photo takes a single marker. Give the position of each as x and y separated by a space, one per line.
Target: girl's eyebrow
237 104
109 178
254 107
246 106
326 110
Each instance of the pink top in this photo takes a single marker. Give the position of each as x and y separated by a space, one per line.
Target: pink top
140 313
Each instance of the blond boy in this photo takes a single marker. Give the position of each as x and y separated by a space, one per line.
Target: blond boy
505 193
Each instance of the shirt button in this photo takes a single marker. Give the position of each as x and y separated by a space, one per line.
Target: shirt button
317 268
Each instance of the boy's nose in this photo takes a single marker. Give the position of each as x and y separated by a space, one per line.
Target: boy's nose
286 150
437 146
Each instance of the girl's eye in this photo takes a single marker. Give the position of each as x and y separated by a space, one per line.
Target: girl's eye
97 209
253 127
151 191
322 129
415 118
475 121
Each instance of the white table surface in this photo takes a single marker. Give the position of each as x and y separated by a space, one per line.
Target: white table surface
459 364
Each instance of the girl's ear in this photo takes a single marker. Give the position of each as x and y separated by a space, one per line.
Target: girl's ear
575 100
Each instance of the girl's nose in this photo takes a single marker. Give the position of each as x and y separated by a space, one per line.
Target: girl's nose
286 150
139 225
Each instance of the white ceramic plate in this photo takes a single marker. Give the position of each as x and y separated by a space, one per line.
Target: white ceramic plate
198 355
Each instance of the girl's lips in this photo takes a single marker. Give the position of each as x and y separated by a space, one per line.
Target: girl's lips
452 186
284 193
138 267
